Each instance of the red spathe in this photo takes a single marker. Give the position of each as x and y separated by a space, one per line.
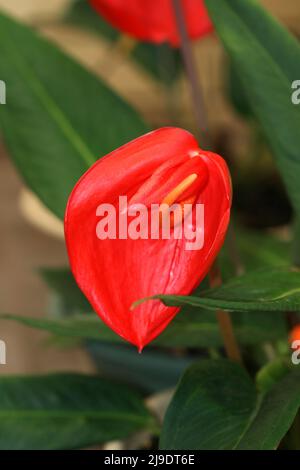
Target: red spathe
115 273
154 20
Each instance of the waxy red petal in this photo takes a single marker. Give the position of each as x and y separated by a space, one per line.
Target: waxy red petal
154 20
115 273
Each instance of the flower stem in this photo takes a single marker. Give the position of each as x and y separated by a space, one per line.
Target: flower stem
191 71
224 319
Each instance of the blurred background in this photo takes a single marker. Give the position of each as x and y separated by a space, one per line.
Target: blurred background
30 237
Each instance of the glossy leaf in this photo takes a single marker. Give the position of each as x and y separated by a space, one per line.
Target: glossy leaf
275 415
211 407
216 406
268 290
267 59
55 129
67 411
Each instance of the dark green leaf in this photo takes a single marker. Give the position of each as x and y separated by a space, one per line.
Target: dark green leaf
76 326
59 118
274 416
216 406
211 407
67 411
236 93
267 59
267 290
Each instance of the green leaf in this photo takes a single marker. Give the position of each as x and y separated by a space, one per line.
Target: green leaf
276 413
267 59
59 118
267 290
211 407
216 406
190 329
236 93
75 326
161 61
67 411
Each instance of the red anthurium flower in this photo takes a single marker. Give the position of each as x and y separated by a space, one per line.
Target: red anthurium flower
295 336
117 250
154 20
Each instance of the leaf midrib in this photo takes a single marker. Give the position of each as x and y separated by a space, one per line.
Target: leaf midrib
252 417
51 107
210 302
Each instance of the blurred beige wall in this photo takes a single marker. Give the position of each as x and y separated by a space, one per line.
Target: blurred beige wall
27 9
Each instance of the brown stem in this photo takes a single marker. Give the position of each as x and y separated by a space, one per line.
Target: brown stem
191 71
225 323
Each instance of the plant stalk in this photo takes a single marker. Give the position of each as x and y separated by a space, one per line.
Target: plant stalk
191 72
224 319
